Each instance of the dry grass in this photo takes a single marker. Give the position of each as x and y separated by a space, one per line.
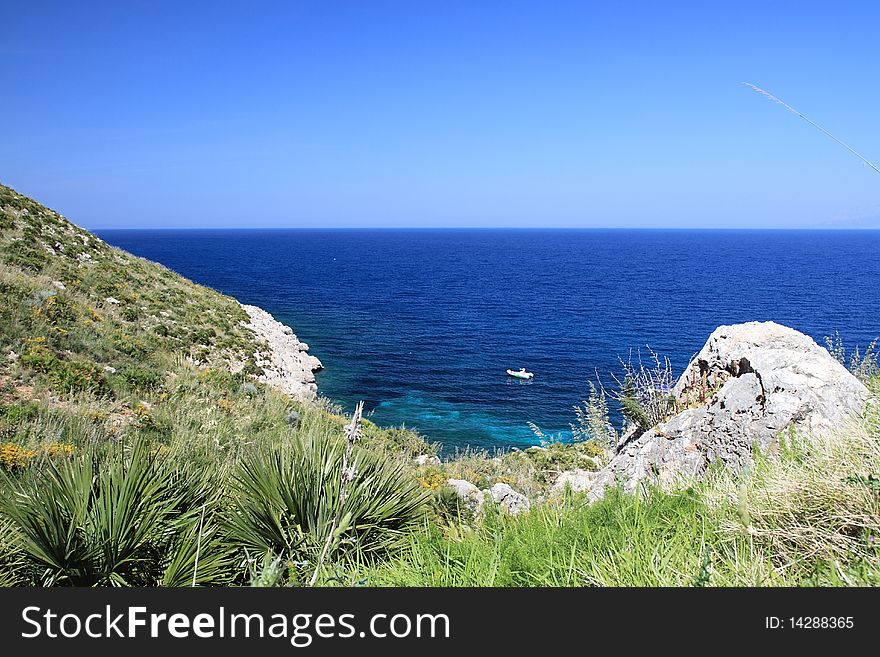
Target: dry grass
818 500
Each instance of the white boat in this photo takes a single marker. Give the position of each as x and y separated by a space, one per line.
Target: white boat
521 373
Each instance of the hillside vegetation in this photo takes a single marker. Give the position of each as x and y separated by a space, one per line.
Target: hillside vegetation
137 448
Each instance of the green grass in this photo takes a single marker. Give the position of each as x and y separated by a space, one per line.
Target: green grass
622 540
809 516
660 539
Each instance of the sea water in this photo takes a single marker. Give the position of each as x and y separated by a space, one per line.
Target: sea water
422 324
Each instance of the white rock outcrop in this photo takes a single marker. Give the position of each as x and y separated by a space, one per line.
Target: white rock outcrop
287 365
748 384
510 500
472 497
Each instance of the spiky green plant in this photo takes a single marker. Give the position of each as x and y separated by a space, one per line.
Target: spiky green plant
11 562
109 518
285 501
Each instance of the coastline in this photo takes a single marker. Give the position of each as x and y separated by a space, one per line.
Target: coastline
286 362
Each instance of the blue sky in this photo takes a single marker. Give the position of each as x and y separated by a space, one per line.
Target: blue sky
441 113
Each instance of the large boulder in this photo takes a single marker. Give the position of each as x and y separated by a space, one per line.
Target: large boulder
749 383
774 372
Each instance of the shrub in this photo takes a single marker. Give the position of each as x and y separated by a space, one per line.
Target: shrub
252 369
222 380
20 412
432 478
286 498
592 421
398 440
101 519
78 376
141 379
557 457
55 309
38 356
24 254
130 314
864 366
645 391
64 376
204 336
130 345
15 457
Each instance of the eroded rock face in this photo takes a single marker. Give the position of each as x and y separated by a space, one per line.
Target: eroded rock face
287 365
793 378
749 383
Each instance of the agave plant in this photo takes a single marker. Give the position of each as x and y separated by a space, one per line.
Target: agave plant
118 519
293 501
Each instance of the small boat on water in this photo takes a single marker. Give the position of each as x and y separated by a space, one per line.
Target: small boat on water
520 374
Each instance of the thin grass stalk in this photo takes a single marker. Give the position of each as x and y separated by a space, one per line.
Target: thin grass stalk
198 546
812 123
352 435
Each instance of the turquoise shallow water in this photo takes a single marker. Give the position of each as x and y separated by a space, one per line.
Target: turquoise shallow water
423 324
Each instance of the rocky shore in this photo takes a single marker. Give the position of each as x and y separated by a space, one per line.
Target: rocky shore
286 363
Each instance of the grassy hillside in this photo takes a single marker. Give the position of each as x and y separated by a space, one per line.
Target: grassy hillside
135 443
101 344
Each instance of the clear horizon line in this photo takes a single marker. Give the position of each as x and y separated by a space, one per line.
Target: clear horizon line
486 228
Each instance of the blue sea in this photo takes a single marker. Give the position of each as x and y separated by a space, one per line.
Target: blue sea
422 324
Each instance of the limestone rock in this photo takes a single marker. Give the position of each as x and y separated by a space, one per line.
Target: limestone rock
287 366
426 459
472 496
765 377
749 383
511 501
584 481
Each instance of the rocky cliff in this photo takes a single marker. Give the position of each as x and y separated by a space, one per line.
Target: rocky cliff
285 361
82 311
